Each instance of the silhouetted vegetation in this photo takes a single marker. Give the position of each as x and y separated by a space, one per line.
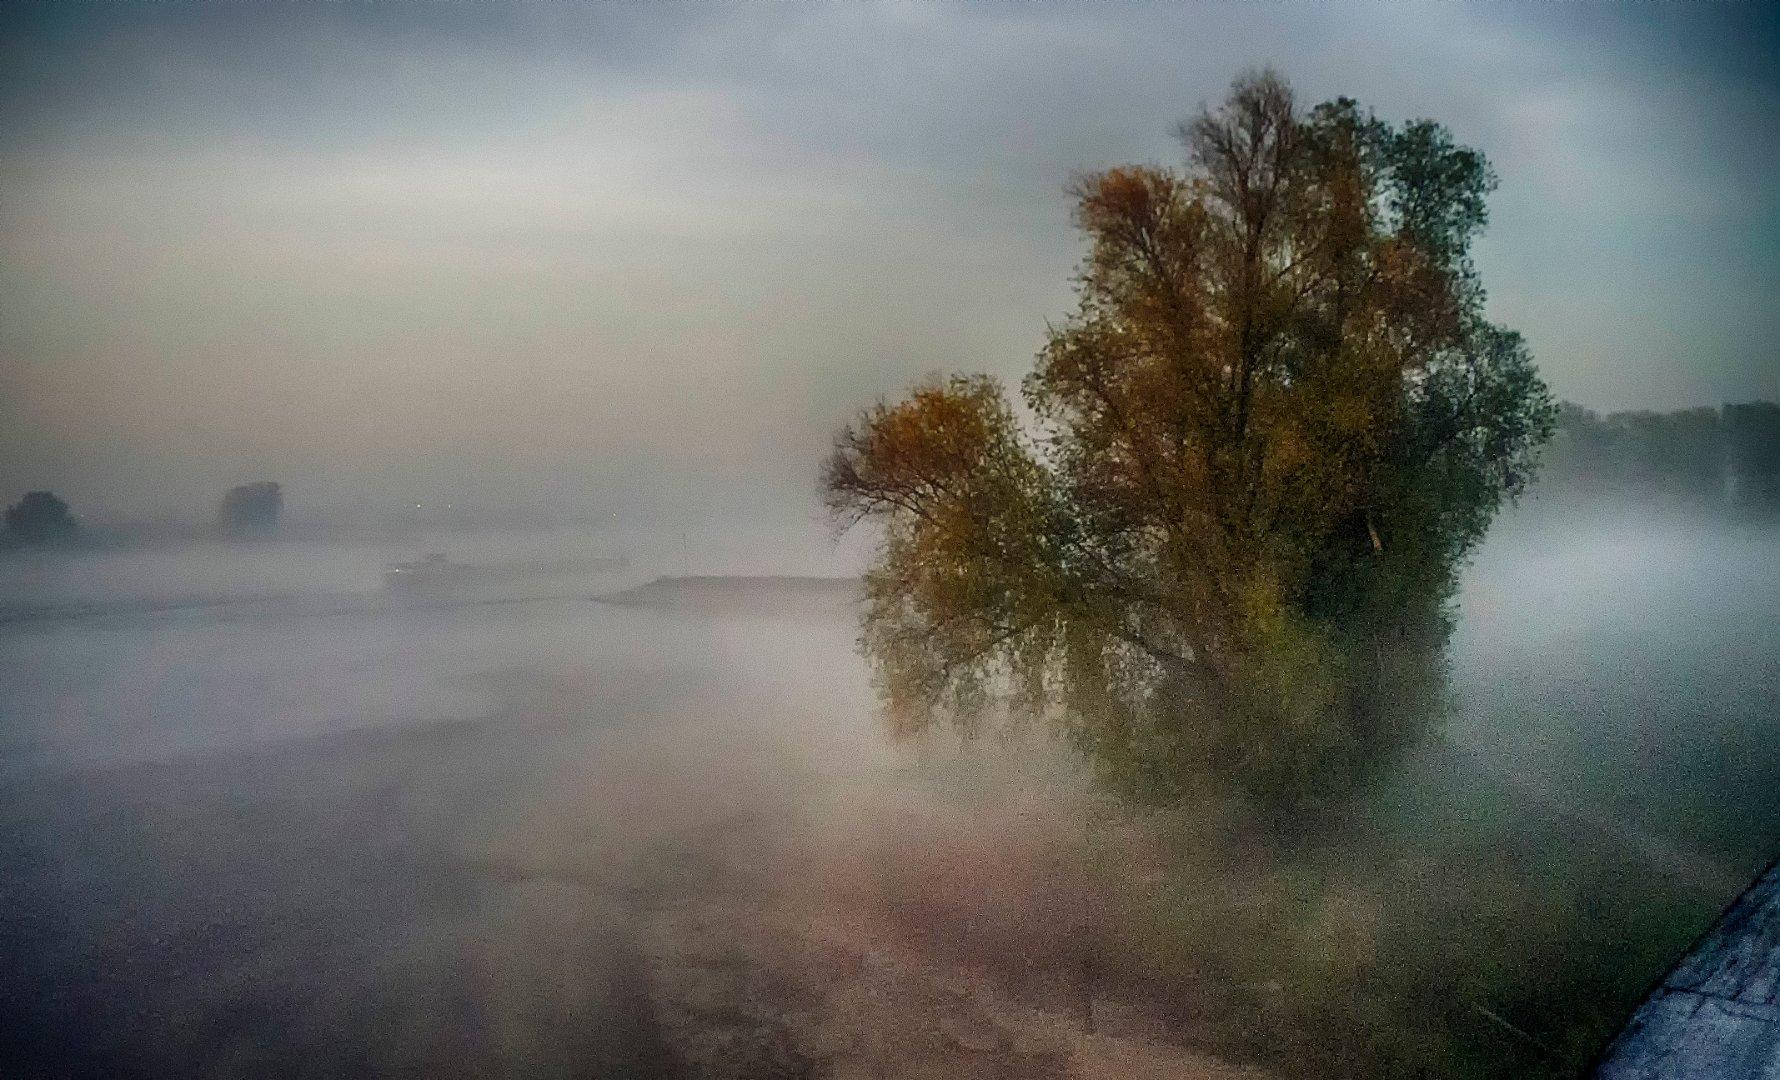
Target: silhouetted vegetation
252 508
1271 431
1751 434
1702 458
40 518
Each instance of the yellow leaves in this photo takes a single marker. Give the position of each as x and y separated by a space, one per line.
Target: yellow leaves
946 446
1351 414
1234 491
962 571
939 431
1122 201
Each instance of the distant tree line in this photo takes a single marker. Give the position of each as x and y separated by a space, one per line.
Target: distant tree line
1707 458
44 519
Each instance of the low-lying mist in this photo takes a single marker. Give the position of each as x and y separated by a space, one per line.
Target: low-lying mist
267 818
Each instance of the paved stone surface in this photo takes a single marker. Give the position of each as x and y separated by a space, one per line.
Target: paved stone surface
1717 1013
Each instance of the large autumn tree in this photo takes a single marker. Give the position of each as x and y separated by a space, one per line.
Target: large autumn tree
1225 550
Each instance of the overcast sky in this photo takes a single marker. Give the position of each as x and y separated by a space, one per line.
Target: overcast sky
589 252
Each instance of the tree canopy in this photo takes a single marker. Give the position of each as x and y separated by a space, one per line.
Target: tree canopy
250 508
40 518
1264 441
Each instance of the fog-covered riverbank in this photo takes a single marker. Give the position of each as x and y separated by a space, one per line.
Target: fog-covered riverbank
262 820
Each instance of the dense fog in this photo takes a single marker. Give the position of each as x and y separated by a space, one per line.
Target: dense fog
267 815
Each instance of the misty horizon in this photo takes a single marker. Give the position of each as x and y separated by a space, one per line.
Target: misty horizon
589 257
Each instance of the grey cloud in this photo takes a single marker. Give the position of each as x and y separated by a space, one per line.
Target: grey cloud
624 246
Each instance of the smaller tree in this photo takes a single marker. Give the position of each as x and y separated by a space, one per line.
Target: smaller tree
40 518
252 508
